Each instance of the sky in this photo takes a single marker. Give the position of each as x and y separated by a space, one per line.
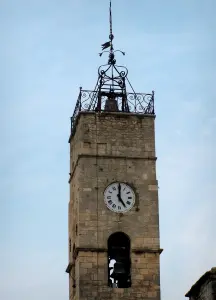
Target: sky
48 50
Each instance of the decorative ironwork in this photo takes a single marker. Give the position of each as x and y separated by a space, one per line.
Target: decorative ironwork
138 103
110 92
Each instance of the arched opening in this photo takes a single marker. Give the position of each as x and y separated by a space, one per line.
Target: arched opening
119 262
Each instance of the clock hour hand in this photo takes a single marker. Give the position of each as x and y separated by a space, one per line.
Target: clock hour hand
120 199
119 195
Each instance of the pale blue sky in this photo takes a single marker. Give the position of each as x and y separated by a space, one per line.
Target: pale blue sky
49 49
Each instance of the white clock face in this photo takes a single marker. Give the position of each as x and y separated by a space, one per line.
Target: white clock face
119 197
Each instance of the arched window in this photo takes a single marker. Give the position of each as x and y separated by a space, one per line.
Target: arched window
119 262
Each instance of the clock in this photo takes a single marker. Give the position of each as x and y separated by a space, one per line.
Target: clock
119 197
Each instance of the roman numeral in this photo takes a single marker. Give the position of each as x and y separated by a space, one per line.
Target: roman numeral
129 197
114 206
108 197
128 202
128 193
110 202
119 207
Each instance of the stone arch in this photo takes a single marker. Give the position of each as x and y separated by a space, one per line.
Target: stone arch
119 262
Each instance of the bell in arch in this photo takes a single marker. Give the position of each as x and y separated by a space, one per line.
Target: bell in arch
118 270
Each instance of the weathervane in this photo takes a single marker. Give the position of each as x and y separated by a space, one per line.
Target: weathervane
110 92
110 43
111 36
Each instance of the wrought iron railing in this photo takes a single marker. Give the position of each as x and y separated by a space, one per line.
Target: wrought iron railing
138 103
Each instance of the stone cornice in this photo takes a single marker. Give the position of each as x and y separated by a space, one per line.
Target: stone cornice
153 158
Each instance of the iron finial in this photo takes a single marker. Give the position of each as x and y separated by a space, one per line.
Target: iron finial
109 44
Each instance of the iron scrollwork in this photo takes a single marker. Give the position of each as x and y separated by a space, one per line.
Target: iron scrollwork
110 93
139 103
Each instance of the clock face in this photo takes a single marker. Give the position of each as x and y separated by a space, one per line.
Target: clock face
119 197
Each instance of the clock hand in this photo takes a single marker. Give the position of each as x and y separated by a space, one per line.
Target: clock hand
119 189
119 195
120 199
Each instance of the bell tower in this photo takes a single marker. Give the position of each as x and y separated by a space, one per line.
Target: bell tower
113 226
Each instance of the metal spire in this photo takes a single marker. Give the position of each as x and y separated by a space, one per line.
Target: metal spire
111 36
109 44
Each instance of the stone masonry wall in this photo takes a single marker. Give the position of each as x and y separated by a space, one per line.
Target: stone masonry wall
110 147
91 274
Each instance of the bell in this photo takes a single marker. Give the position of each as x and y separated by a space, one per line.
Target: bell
111 104
118 270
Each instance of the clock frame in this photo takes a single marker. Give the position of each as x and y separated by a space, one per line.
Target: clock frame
119 197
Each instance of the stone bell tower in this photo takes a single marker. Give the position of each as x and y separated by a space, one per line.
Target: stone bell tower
114 246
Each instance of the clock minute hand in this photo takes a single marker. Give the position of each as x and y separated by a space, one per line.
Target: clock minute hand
119 195
119 189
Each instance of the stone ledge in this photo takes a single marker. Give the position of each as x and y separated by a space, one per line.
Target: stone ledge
102 250
153 158
117 113
69 268
146 250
